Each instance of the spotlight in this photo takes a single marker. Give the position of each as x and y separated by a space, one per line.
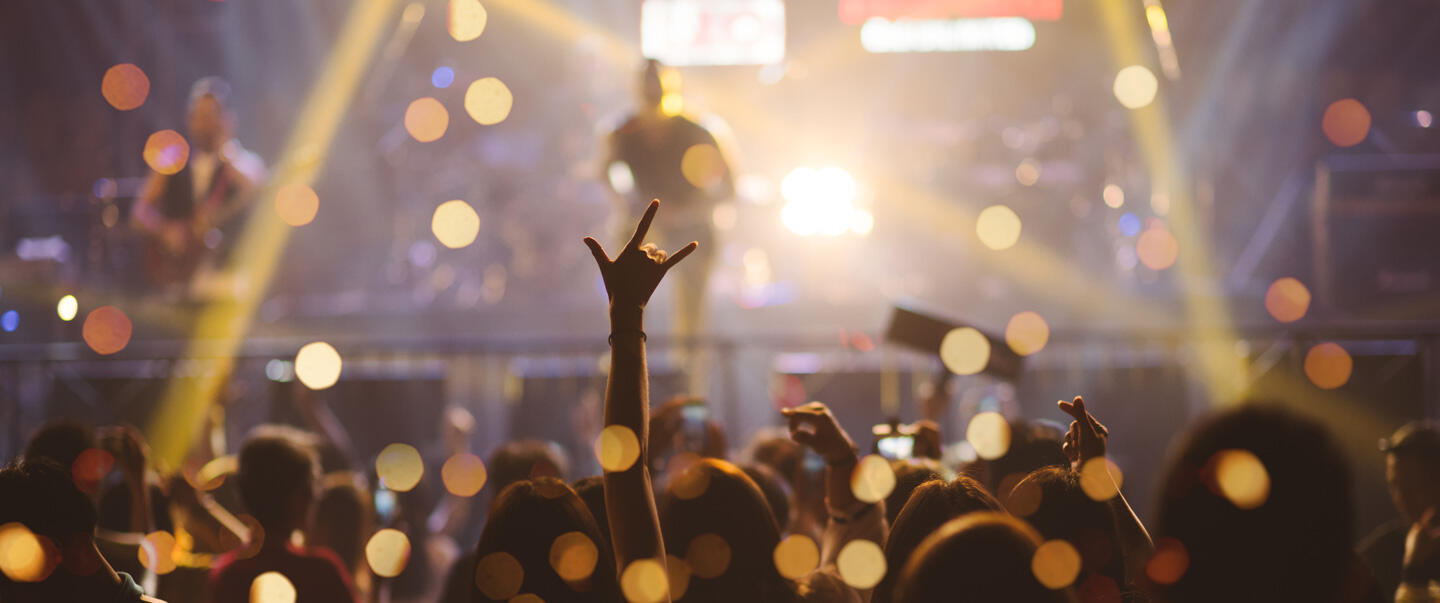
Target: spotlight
821 201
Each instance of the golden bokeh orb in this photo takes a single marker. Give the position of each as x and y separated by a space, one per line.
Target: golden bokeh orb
387 552
488 101
499 575
67 308
796 556
463 474
317 365
873 479
998 227
861 563
1135 87
466 20
22 555
1056 564
399 467
455 224
645 581
708 555
1100 478
1169 562
989 434
965 351
617 448
702 166
573 556
1241 478
272 587
1027 333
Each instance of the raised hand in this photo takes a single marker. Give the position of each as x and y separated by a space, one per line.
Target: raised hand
632 276
1087 437
813 425
1421 543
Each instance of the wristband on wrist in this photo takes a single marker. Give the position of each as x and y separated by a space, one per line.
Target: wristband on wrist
642 335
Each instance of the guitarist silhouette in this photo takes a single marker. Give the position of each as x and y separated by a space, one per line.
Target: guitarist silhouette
183 216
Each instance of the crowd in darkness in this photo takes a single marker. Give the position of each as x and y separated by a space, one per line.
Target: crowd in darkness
1253 505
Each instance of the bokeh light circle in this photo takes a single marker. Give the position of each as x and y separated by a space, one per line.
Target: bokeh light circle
1328 365
388 552
125 86
426 119
965 351
1157 248
617 448
989 434
1135 87
702 166
1240 477
873 479
1056 564
573 556
106 330
317 365
67 308
166 152
998 227
796 556
1287 299
1169 562
861 563
463 474
466 20
499 575
297 204
1346 122
708 555
645 581
272 587
22 555
455 224
157 552
1100 478
1027 333
400 467
488 101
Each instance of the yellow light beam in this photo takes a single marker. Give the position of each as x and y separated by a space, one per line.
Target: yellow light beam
1203 299
222 324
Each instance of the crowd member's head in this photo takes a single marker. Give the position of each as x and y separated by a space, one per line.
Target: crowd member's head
277 477
524 459
1294 543
343 518
776 450
776 490
715 498
534 523
981 557
1032 446
909 474
209 118
930 506
1052 501
591 491
60 441
41 496
1412 468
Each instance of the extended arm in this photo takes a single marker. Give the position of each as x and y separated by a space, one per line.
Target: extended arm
630 279
1087 439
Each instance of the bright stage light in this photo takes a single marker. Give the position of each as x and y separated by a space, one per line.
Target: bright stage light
1135 87
67 308
947 35
821 201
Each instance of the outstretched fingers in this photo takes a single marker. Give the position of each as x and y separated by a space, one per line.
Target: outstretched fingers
644 226
680 255
597 251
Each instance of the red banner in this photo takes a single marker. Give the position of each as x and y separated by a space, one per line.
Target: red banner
855 12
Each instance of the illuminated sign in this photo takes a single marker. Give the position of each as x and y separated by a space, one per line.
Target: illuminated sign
855 12
936 35
708 32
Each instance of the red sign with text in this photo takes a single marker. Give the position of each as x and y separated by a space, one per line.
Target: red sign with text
855 12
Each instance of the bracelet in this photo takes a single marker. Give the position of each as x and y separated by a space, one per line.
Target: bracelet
643 338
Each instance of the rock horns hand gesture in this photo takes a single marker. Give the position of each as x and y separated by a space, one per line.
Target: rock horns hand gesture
632 276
